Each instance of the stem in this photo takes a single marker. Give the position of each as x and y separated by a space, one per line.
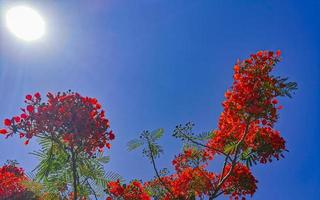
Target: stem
156 170
94 193
220 193
74 174
203 145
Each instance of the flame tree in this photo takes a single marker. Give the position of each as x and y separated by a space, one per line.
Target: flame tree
245 135
72 130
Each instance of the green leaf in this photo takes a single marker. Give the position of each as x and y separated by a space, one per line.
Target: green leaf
157 134
230 148
249 157
134 144
112 176
103 159
205 135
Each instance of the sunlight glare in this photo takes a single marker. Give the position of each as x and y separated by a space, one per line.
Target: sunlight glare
25 23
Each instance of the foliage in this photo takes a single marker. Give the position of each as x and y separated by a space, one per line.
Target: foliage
153 149
54 172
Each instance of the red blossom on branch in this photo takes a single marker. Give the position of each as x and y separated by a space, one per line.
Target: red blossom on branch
240 183
77 121
251 102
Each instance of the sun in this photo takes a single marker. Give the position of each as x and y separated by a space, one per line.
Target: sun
25 23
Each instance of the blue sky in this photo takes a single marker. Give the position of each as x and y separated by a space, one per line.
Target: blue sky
159 63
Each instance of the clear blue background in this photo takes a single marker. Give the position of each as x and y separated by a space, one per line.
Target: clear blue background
158 63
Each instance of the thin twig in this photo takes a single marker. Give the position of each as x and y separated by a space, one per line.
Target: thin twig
156 170
94 193
203 145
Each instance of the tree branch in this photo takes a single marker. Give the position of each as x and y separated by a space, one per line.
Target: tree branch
233 163
200 144
94 193
156 170
74 174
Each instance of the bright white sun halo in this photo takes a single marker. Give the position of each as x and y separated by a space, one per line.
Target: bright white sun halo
25 23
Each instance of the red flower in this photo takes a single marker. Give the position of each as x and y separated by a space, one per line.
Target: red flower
37 95
278 53
7 122
111 135
29 97
30 108
259 53
17 119
236 68
274 101
98 106
23 116
26 142
3 131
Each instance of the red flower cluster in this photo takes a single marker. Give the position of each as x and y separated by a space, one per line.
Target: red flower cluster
240 183
191 157
189 182
251 108
11 178
133 191
191 179
69 117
